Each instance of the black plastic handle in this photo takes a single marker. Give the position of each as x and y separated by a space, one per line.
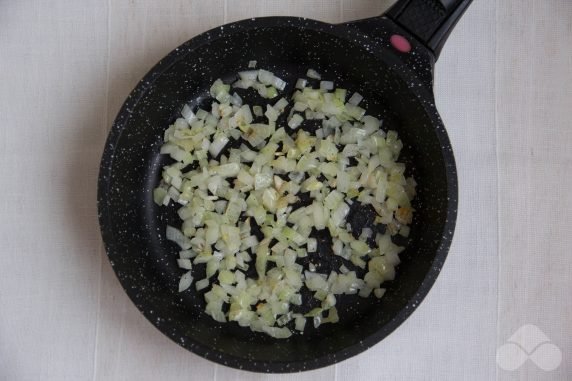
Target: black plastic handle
431 21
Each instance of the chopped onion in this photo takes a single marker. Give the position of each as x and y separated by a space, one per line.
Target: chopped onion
313 74
269 199
262 181
185 281
188 114
187 254
300 323
160 196
277 333
312 245
315 281
257 110
366 233
265 77
326 85
202 284
175 235
317 321
227 170
218 144
355 99
278 83
337 247
281 105
249 75
271 113
339 215
404 231
301 83
295 121
236 100
185 263
347 160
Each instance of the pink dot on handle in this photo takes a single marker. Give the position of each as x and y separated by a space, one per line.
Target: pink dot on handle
400 43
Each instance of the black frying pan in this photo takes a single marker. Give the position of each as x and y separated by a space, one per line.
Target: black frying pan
389 60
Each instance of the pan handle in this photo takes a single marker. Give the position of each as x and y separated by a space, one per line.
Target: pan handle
431 21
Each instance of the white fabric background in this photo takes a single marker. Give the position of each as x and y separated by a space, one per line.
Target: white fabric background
503 86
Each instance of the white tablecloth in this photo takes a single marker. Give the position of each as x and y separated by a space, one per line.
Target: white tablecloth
503 86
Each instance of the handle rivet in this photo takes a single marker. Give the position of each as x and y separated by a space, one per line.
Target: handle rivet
400 43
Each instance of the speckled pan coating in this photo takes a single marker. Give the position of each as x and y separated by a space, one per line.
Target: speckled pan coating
357 56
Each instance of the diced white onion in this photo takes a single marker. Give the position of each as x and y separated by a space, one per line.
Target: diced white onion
265 77
326 85
175 235
218 144
355 99
311 73
236 100
185 263
257 110
295 121
281 105
312 245
379 292
202 284
250 75
185 281
348 160
188 114
301 83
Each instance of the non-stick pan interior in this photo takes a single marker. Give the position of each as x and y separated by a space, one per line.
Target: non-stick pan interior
133 226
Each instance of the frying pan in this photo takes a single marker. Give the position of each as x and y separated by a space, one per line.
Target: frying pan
389 60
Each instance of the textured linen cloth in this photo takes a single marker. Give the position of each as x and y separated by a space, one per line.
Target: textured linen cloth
504 89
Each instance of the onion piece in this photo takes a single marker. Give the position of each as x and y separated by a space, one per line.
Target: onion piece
250 75
175 235
202 284
257 110
355 99
312 245
295 121
160 196
281 105
271 113
236 100
188 114
185 281
265 77
311 73
326 85
338 216
301 83
277 333
185 264
218 144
